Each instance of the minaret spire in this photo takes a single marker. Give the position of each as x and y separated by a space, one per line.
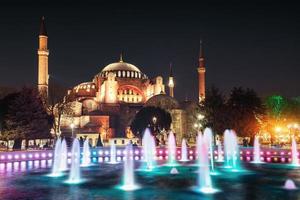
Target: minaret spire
43 54
121 57
171 82
201 56
201 74
43 30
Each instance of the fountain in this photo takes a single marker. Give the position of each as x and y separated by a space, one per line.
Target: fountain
256 152
204 178
129 182
74 176
184 156
64 156
57 159
208 137
295 160
174 171
86 155
290 185
148 149
171 149
113 155
231 150
220 156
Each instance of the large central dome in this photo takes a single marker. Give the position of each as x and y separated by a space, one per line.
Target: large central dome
123 70
120 66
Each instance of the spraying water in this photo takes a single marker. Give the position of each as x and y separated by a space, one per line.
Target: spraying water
231 150
64 156
57 159
113 154
184 153
204 178
74 176
148 149
256 156
290 185
129 182
86 154
220 156
295 160
208 137
171 149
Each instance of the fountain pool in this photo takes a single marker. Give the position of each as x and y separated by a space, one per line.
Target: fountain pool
261 182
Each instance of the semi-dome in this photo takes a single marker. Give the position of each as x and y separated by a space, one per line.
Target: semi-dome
163 101
123 70
87 89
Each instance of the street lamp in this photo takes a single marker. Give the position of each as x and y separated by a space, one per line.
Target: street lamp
72 127
154 119
278 129
296 126
200 116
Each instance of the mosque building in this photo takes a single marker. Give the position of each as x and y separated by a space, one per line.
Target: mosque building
107 104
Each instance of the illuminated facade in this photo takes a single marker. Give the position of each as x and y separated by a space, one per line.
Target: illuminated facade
106 105
109 102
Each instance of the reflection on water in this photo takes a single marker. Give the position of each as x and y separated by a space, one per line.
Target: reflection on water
29 180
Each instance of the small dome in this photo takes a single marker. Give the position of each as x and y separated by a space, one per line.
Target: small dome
85 89
163 101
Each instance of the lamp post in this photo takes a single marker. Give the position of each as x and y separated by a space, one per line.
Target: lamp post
72 127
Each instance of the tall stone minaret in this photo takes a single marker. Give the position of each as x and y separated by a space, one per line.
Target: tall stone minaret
201 74
43 54
171 82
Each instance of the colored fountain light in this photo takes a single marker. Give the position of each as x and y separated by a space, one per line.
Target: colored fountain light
290 185
64 156
208 137
184 152
113 153
295 160
174 171
74 176
57 159
204 179
149 147
256 152
171 149
86 156
231 150
129 181
220 156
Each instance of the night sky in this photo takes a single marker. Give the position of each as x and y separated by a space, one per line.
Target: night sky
253 44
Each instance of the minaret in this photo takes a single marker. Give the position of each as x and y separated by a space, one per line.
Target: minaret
171 82
43 54
201 74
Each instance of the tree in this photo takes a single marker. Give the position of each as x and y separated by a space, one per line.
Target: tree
276 105
153 117
4 105
215 111
5 91
26 117
59 103
246 111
